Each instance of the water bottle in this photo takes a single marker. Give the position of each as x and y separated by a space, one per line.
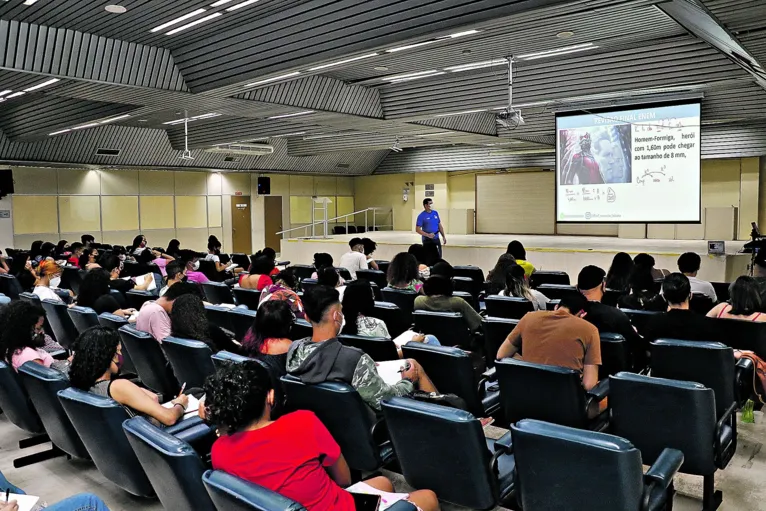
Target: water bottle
747 413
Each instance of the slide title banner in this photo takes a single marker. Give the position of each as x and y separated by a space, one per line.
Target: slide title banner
635 165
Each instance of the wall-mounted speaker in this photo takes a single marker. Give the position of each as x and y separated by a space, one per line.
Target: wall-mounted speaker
264 185
6 182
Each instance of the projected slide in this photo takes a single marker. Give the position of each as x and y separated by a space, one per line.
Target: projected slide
629 165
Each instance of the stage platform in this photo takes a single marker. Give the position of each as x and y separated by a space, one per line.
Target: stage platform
566 253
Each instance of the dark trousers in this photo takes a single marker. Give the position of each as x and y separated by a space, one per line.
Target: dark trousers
436 241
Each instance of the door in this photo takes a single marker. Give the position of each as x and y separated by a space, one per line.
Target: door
241 227
273 221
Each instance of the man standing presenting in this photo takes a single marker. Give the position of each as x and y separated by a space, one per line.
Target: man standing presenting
429 226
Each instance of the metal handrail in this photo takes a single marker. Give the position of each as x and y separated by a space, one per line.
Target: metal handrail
328 220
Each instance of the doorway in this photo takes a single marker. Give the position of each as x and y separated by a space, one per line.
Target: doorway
273 221
241 227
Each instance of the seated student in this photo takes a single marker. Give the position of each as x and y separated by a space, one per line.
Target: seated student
75 251
95 365
646 262
419 252
689 264
745 298
47 250
269 337
314 358
516 285
192 270
174 249
321 259
271 254
22 338
679 322
60 252
21 268
369 248
283 289
79 502
94 293
150 256
87 240
154 316
294 455
176 272
618 276
329 277
439 298
516 249
260 273
113 265
88 258
642 296
558 338
496 278
355 259
214 255
189 321
50 277
138 245
403 273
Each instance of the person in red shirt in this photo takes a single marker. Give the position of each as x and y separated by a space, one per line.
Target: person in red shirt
294 455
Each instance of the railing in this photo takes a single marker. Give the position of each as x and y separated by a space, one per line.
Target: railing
374 212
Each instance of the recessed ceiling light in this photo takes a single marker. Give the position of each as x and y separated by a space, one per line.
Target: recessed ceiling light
380 68
409 75
177 20
241 5
143 120
115 9
291 115
41 85
276 78
194 23
417 77
476 65
566 34
30 2
466 52
323 66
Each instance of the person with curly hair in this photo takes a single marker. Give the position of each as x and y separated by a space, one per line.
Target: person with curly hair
403 272
294 455
189 321
95 293
97 360
22 338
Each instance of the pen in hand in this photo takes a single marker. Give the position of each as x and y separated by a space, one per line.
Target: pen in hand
183 387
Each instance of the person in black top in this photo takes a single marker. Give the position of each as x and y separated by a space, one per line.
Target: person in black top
642 295
189 321
618 277
95 293
679 322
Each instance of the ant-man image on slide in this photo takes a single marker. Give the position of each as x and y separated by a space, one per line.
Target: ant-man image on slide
582 169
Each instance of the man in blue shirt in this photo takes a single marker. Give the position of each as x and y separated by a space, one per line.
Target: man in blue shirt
429 226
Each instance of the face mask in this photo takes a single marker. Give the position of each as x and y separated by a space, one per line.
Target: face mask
342 323
55 281
119 361
121 257
195 266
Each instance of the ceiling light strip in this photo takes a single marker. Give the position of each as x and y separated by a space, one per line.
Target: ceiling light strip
41 85
580 47
113 119
220 3
239 6
3 93
417 77
15 95
410 46
59 132
276 78
194 23
340 62
178 20
559 53
291 115
409 75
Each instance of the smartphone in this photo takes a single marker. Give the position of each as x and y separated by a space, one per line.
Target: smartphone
364 502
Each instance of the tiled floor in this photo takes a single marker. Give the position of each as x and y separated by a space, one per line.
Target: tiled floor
741 482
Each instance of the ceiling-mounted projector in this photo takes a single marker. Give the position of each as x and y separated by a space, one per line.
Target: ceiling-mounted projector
242 149
510 118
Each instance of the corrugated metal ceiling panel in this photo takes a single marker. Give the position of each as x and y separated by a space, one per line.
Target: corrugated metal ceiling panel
458 158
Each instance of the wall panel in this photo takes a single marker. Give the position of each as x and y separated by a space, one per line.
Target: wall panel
119 213
35 214
191 212
78 182
79 213
157 212
35 181
119 182
190 183
214 211
516 203
156 183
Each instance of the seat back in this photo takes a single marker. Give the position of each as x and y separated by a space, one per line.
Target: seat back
495 332
131 269
171 465
98 421
701 303
342 411
209 270
615 355
708 363
451 371
467 285
226 357
536 391
396 320
383 265
540 277
217 292
83 318
655 413
248 297
241 260
136 298
425 437
608 474
219 315
404 299
15 402
43 384
344 273
241 321
115 322
61 323
612 296
10 286
301 329
468 297
721 290
510 307
379 349
232 493
71 278
474 273
190 360
639 318
556 291
376 276
302 271
308 284
150 363
449 327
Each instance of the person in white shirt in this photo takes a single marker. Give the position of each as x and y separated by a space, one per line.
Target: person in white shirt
516 285
49 276
355 258
689 264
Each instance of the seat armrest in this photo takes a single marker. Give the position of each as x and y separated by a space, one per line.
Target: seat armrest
730 417
490 374
379 432
59 354
403 505
504 443
600 391
183 424
664 468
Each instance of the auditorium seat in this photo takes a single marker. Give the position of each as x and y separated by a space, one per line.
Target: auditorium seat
474 273
226 357
344 274
209 270
43 384
565 468
171 464
302 271
615 355
10 286
510 307
403 298
655 413
219 315
130 269
349 420
339 229
149 360
83 318
396 320
495 331
445 450
639 318
612 296
383 265
701 303
541 277
376 276
548 393
136 298
451 371
189 359
247 297
552 304
556 291
35 300
308 284
449 327
465 284
98 421
58 317
721 290
241 322
230 493
115 322
217 292
301 329
376 293
379 349
468 297
241 260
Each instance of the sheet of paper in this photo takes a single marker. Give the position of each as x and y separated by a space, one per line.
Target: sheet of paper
404 338
140 281
192 406
390 371
386 499
25 502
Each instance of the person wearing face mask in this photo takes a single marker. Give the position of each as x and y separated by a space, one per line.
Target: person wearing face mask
113 265
176 271
154 316
22 338
138 245
192 272
322 357
50 277
97 361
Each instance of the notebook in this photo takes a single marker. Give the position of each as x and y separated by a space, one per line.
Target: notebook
404 338
387 499
391 370
25 502
192 407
